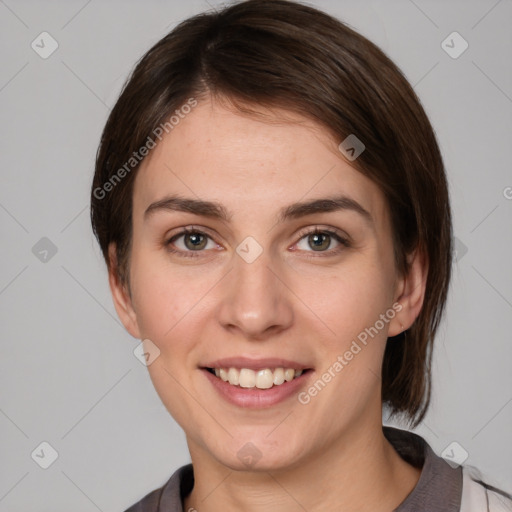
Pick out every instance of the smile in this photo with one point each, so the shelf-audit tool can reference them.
(262, 379)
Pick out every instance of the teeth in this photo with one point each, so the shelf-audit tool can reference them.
(261, 379)
(278, 376)
(289, 374)
(234, 376)
(247, 378)
(264, 379)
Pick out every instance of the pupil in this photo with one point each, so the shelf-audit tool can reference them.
(195, 241)
(321, 238)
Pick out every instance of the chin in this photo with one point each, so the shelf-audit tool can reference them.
(256, 456)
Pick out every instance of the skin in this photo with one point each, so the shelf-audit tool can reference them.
(330, 454)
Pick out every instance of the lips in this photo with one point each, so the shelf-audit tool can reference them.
(255, 382)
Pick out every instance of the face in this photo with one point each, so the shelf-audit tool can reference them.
(286, 265)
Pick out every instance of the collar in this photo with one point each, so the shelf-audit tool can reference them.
(439, 487)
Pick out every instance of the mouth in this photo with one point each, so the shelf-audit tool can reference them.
(256, 383)
(261, 379)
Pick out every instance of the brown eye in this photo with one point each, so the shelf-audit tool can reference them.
(322, 241)
(190, 241)
(195, 241)
(319, 241)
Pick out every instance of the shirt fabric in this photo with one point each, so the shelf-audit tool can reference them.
(440, 488)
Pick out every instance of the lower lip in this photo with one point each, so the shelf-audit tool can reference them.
(253, 397)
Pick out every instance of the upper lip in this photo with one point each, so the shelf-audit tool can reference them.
(255, 364)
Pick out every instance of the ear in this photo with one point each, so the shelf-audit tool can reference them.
(121, 295)
(410, 293)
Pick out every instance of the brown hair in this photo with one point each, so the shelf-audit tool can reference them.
(289, 55)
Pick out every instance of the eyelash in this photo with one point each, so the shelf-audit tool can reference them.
(343, 241)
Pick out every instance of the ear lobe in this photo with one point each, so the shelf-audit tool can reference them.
(120, 295)
(410, 292)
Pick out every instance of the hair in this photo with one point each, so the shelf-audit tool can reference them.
(279, 53)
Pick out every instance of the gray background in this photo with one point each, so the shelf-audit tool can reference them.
(68, 373)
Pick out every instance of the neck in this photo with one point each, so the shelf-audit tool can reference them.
(361, 472)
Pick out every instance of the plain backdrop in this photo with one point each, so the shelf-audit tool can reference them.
(68, 373)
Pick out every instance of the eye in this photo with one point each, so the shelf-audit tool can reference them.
(189, 241)
(321, 240)
(192, 240)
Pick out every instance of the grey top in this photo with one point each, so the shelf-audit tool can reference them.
(439, 487)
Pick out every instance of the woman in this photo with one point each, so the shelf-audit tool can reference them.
(272, 206)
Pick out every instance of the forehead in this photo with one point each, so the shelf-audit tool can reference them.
(242, 160)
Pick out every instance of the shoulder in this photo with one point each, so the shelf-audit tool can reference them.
(150, 502)
(169, 497)
(479, 496)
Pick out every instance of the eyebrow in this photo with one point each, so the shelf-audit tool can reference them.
(215, 210)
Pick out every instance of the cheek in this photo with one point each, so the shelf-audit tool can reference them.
(347, 301)
(170, 307)
(163, 297)
(350, 304)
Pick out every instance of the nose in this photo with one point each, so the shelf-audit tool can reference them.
(255, 299)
